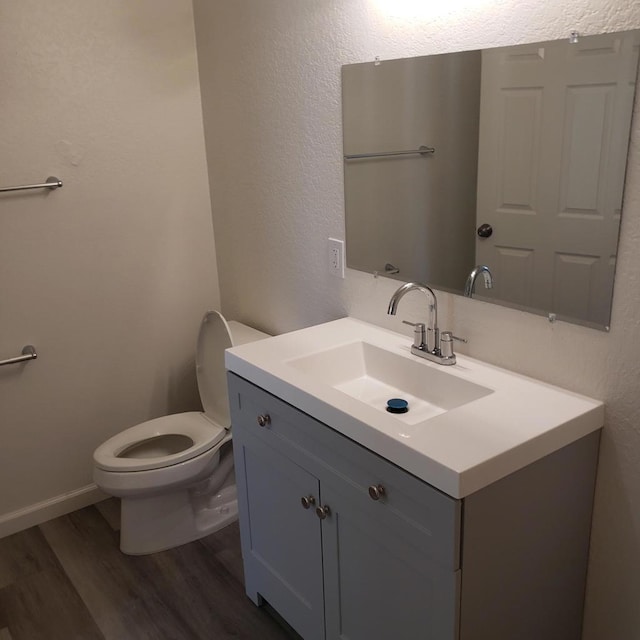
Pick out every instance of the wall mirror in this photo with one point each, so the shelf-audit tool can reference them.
(513, 158)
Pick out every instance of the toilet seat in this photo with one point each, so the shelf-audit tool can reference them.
(193, 432)
(201, 430)
(174, 475)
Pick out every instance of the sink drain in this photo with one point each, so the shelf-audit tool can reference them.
(397, 405)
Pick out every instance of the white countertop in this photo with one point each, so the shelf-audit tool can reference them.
(459, 451)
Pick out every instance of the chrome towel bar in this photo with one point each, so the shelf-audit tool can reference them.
(422, 150)
(51, 183)
(28, 353)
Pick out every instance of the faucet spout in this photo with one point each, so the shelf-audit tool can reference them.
(433, 333)
(435, 349)
(406, 288)
(471, 280)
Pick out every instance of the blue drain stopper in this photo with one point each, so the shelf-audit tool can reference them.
(397, 405)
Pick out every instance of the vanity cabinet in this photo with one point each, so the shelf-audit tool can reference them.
(345, 545)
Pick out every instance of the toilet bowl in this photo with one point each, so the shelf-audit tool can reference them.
(174, 474)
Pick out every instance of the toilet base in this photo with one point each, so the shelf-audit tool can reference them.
(160, 522)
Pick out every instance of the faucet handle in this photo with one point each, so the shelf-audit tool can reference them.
(419, 333)
(446, 343)
(448, 336)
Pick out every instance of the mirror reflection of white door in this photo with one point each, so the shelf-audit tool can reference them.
(551, 125)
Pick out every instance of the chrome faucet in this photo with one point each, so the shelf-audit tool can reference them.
(427, 343)
(471, 280)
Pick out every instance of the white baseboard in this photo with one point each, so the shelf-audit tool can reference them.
(46, 510)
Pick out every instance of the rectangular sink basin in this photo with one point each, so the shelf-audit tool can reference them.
(374, 375)
(468, 425)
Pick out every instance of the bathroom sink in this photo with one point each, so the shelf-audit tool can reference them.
(468, 424)
(374, 375)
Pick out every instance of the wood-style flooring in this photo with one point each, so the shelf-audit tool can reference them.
(67, 580)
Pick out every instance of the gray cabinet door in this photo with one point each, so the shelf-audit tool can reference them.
(281, 540)
(377, 587)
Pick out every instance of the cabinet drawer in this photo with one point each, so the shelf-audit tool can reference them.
(411, 510)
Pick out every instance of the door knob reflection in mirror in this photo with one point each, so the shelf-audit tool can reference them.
(485, 230)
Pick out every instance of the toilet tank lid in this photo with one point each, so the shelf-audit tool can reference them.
(216, 335)
(242, 333)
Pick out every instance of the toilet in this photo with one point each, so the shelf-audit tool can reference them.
(174, 474)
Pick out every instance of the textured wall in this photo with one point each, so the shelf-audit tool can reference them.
(270, 75)
(109, 275)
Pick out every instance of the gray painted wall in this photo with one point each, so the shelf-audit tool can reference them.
(109, 276)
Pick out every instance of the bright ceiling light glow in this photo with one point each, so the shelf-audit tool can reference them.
(424, 8)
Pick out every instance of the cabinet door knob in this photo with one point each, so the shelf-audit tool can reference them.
(323, 512)
(264, 419)
(307, 501)
(376, 491)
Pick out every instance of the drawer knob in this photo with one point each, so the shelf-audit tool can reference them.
(376, 491)
(323, 512)
(307, 501)
(264, 419)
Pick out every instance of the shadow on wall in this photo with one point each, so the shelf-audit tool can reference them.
(177, 388)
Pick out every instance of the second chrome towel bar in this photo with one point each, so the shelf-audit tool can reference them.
(28, 353)
(51, 183)
(422, 150)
